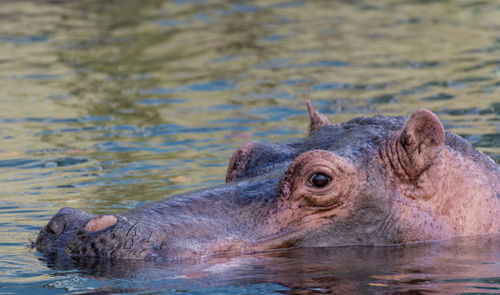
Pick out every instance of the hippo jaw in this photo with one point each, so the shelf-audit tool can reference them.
(369, 181)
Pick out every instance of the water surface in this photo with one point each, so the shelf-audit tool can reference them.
(107, 105)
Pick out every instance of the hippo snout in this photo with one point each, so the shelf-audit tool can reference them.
(64, 223)
(78, 234)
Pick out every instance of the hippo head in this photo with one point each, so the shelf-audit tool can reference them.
(369, 181)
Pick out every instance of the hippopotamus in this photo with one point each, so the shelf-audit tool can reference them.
(370, 181)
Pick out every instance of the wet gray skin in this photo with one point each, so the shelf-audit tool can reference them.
(250, 213)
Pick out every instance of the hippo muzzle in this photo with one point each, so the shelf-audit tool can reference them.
(229, 218)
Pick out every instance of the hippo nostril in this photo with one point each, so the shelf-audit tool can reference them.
(100, 223)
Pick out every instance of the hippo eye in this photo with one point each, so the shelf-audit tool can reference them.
(320, 180)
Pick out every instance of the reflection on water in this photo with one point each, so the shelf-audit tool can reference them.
(107, 105)
(450, 267)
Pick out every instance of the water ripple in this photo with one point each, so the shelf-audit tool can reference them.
(33, 164)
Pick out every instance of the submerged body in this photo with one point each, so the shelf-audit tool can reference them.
(369, 181)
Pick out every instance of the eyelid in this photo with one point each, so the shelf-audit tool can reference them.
(319, 169)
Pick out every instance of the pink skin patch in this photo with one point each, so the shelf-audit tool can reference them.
(100, 223)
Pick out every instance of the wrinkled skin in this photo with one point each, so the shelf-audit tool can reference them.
(369, 181)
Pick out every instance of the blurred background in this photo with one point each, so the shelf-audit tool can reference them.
(105, 105)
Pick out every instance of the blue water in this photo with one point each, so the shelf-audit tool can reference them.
(105, 106)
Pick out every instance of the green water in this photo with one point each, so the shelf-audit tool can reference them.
(105, 105)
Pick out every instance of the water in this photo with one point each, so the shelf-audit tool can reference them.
(107, 105)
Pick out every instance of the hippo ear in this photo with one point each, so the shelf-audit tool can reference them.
(421, 140)
(317, 119)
